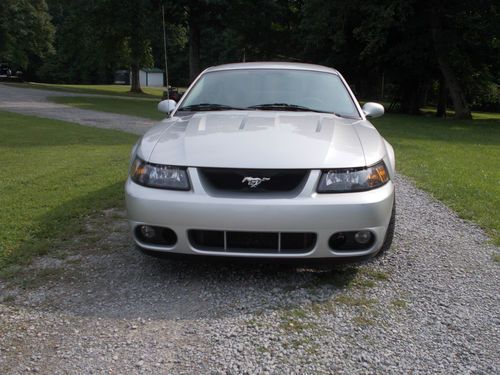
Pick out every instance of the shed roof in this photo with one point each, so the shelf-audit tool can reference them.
(152, 70)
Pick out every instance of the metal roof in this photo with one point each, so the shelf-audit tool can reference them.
(152, 70)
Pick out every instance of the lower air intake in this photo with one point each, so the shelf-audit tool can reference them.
(252, 242)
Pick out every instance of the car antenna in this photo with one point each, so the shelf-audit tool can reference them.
(165, 47)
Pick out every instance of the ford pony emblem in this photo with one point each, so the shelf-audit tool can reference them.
(254, 181)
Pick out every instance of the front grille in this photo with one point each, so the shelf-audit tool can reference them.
(247, 180)
(252, 242)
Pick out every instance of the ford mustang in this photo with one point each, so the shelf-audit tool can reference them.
(264, 160)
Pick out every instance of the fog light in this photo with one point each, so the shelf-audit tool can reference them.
(363, 237)
(147, 231)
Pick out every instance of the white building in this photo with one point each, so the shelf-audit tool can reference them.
(151, 77)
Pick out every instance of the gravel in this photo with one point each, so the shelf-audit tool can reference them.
(35, 102)
(96, 305)
(430, 305)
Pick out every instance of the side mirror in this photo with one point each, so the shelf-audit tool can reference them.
(373, 109)
(166, 106)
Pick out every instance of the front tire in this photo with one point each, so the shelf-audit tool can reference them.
(389, 234)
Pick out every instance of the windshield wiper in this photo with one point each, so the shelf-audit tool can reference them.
(294, 107)
(284, 107)
(207, 107)
(267, 106)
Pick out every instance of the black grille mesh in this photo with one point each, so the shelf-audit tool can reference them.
(252, 242)
(240, 180)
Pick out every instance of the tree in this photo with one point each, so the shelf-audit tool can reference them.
(26, 33)
(414, 51)
(130, 21)
(195, 16)
(465, 37)
(270, 33)
(444, 45)
(412, 43)
(83, 52)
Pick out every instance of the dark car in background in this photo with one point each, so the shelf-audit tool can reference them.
(5, 70)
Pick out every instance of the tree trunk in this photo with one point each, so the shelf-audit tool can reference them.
(460, 105)
(194, 48)
(441, 104)
(135, 83)
(411, 97)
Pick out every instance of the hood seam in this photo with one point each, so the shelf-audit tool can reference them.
(360, 142)
(160, 136)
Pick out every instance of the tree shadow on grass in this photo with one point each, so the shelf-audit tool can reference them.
(61, 224)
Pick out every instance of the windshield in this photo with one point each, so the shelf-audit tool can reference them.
(271, 89)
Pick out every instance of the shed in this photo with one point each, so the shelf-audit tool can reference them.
(151, 77)
(122, 77)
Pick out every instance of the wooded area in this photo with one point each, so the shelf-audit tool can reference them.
(409, 53)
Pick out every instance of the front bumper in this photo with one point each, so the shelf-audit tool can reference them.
(323, 214)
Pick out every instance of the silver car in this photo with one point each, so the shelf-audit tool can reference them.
(265, 160)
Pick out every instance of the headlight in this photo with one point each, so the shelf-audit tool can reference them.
(159, 176)
(353, 179)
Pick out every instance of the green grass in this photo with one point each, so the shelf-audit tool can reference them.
(475, 115)
(53, 174)
(363, 321)
(377, 275)
(399, 303)
(132, 107)
(354, 301)
(115, 90)
(455, 160)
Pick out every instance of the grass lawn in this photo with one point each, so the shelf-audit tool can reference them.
(456, 161)
(475, 115)
(118, 90)
(53, 173)
(133, 107)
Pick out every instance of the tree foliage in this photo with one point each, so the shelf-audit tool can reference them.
(26, 33)
(407, 52)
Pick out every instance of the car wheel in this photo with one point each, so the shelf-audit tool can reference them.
(389, 235)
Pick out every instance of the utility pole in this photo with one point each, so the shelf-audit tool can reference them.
(165, 47)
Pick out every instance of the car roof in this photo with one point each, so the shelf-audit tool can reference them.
(273, 65)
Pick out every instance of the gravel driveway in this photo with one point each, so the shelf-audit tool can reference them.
(35, 102)
(430, 305)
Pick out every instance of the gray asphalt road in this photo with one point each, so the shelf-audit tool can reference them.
(34, 102)
(430, 305)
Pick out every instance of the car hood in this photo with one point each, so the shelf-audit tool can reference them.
(262, 139)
